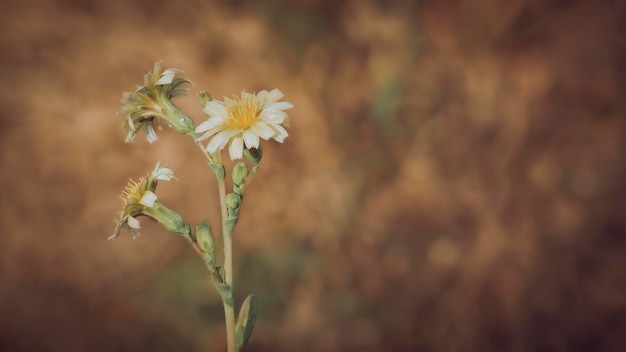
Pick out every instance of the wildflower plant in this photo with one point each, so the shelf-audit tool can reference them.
(239, 123)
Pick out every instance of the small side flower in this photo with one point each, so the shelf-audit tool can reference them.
(140, 199)
(243, 120)
(150, 103)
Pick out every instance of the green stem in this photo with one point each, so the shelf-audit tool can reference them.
(227, 236)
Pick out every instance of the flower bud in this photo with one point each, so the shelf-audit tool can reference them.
(203, 98)
(240, 173)
(206, 241)
(233, 201)
(254, 155)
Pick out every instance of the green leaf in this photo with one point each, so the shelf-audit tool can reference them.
(245, 321)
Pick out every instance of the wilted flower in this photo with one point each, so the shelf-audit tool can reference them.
(144, 107)
(139, 199)
(243, 120)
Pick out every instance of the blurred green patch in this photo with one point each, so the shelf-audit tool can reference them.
(385, 108)
(185, 297)
(299, 24)
(271, 276)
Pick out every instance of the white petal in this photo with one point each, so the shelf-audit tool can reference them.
(148, 199)
(125, 97)
(245, 96)
(236, 148)
(150, 134)
(133, 223)
(215, 108)
(251, 139)
(273, 116)
(130, 136)
(204, 136)
(167, 76)
(286, 121)
(261, 97)
(211, 132)
(262, 129)
(163, 173)
(131, 124)
(209, 124)
(281, 105)
(215, 142)
(228, 101)
(131, 130)
(280, 134)
(274, 96)
(219, 141)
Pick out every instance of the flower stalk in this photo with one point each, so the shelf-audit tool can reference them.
(227, 235)
(239, 123)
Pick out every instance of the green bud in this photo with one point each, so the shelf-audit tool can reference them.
(245, 321)
(203, 98)
(240, 173)
(254, 155)
(233, 201)
(206, 241)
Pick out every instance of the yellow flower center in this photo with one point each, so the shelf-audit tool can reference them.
(243, 112)
(132, 191)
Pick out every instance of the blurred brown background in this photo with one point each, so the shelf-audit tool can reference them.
(453, 179)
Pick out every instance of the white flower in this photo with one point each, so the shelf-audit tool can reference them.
(139, 199)
(151, 103)
(243, 120)
(162, 173)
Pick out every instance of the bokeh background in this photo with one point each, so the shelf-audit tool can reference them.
(453, 179)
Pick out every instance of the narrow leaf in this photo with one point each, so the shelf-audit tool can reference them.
(245, 321)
